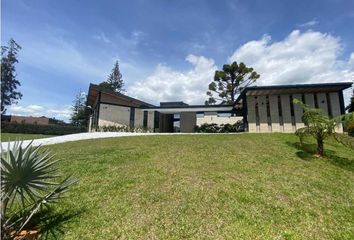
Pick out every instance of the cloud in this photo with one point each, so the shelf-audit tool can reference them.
(299, 58)
(309, 23)
(302, 57)
(166, 84)
(56, 111)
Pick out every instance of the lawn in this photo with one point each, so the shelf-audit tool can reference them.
(5, 137)
(249, 186)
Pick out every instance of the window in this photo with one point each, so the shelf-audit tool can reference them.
(156, 119)
(145, 119)
(280, 110)
(132, 116)
(316, 100)
(200, 114)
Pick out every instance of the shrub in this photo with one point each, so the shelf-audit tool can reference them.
(123, 128)
(50, 129)
(28, 184)
(223, 128)
(350, 128)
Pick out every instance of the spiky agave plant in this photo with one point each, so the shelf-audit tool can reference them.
(28, 183)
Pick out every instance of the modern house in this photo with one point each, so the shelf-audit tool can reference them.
(261, 108)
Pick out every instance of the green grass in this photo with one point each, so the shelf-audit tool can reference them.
(250, 186)
(5, 137)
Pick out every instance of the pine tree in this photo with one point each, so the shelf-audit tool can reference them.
(80, 114)
(9, 83)
(114, 81)
(229, 82)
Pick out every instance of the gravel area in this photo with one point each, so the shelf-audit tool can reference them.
(85, 136)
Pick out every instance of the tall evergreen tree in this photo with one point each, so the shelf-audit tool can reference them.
(350, 107)
(9, 82)
(80, 114)
(229, 82)
(115, 80)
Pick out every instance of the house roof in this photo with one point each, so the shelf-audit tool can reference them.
(293, 88)
(95, 89)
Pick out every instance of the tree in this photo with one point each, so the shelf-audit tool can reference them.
(80, 114)
(114, 81)
(9, 83)
(229, 82)
(320, 126)
(350, 107)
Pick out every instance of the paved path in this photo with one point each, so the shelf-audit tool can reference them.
(92, 135)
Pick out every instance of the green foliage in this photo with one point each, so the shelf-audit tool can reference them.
(81, 113)
(229, 82)
(350, 107)
(9, 82)
(50, 129)
(123, 128)
(350, 128)
(114, 81)
(29, 182)
(318, 125)
(223, 128)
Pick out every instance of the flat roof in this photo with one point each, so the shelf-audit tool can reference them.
(191, 108)
(294, 88)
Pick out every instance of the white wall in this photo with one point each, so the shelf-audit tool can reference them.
(112, 115)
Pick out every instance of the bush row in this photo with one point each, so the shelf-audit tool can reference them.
(123, 128)
(50, 129)
(223, 128)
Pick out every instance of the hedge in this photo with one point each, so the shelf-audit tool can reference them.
(50, 129)
(223, 128)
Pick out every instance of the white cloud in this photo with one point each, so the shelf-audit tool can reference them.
(309, 23)
(166, 84)
(308, 57)
(59, 112)
(299, 58)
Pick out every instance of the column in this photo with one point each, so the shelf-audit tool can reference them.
(310, 99)
(274, 113)
(298, 112)
(188, 121)
(285, 108)
(251, 114)
(263, 118)
(151, 120)
(335, 107)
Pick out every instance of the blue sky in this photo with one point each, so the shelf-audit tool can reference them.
(168, 50)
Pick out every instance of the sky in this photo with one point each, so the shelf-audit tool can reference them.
(169, 50)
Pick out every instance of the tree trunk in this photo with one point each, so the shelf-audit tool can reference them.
(320, 149)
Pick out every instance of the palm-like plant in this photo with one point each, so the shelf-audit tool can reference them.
(28, 183)
(317, 124)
